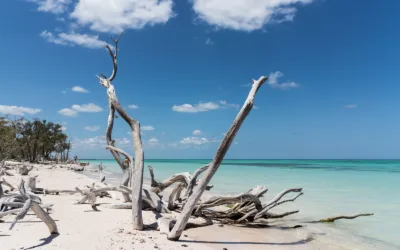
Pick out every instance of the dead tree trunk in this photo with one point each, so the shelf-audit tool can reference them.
(124, 167)
(212, 169)
(137, 169)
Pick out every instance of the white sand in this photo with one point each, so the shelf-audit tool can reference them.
(82, 228)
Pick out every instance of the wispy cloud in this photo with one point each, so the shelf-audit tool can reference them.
(194, 140)
(95, 141)
(123, 141)
(153, 141)
(245, 15)
(133, 106)
(86, 108)
(98, 142)
(273, 81)
(73, 39)
(92, 128)
(209, 41)
(53, 6)
(350, 106)
(68, 112)
(203, 107)
(79, 89)
(196, 132)
(116, 16)
(18, 110)
(147, 128)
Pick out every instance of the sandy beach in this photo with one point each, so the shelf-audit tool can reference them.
(82, 228)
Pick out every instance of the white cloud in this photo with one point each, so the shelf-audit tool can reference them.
(350, 106)
(274, 83)
(202, 107)
(92, 141)
(73, 111)
(15, 110)
(209, 41)
(92, 128)
(118, 15)
(133, 106)
(147, 128)
(153, 141)
(63, 128)
(72, 39)
(98, 142)
(68, 112)
(53, 6)
(195, 140)
(79, 89)
(91, 108)
(246, 15)
(123, 141)
(225, 104)
(196, 132)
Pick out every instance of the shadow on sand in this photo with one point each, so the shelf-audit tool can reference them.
(46, 241)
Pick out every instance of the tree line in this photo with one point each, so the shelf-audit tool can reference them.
(32, 140)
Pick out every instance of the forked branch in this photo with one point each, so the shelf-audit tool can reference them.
(219, 156)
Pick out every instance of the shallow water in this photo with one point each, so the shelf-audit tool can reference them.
(331, 187)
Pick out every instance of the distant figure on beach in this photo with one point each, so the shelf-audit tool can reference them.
(101, 167)
(75, 159)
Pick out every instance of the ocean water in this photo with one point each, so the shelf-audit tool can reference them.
(331, 187)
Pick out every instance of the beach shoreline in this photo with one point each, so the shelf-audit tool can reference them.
(81, 228)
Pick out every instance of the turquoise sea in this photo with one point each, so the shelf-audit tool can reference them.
(331, 187)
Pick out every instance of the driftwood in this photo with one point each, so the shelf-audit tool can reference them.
(166, 223)
(333, 219)
(24, 170)
(29, 202)
(5, 183)
(158, 187)
(137, 168)
(214, 165)
(193, 181)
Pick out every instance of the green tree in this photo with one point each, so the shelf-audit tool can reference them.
(32, 140)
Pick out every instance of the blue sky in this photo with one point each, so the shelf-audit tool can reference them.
(333, 64)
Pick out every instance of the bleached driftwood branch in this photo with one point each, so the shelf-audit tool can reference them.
(222, 149)
(124, 167)
(348, 217)
(158, 187)
(193, 181)
(24, 170)
(30, 202)
(137, 169)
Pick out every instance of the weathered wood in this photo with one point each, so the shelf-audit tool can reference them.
(137, 170)
(5, 183)
(222, 200)
(275, 200)
(222, 149)
(258, 214)
(13, 211)
(173, 195)
(279, 216)
(45, 217)
(110, 142)
(24, 170)
(164, 225)
(183, 178)
(193, 181)
(348, 217)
